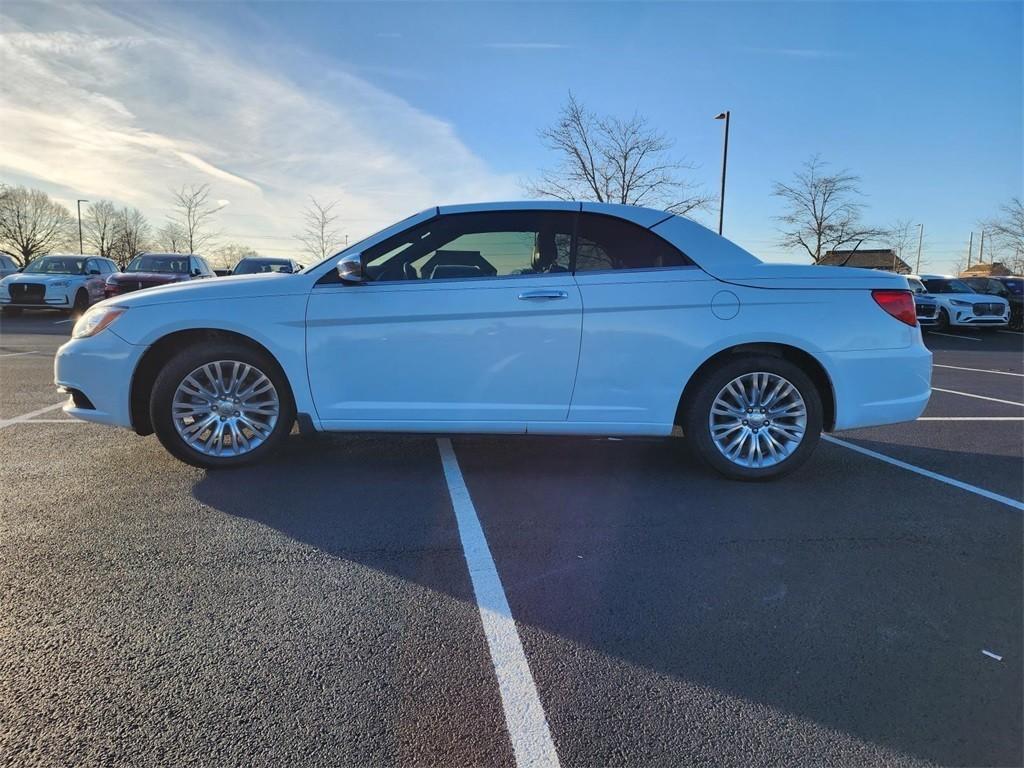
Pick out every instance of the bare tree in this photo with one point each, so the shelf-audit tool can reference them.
(131, 235)
(31, 224)
(193, 211)
(99, 227)
(1007, 232)
(319, 237)
(900, 237)
(227, 256)
(611, 160)
(171, 237)
(823, 212)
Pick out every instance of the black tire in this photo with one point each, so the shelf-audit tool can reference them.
(942, 324)
(184, 363)
(697, 412)
(11, 311)
(81, 303)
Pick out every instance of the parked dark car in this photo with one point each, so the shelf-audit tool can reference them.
(925, 306)
(252, 265)
(1010, 288)
(151, 269)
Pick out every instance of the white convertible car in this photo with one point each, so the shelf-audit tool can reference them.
(513, 318)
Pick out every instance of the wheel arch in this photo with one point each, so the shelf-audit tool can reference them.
(807, 362)
(167, 346)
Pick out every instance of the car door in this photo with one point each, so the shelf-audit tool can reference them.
(646, 322)
(94, 282)
(467, 320)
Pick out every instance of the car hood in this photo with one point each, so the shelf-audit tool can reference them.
(166, 277)
(241, 287)
(22, 277)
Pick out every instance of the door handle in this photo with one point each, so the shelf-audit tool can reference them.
(542, 295)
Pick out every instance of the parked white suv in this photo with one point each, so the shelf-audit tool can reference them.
(961, 306)
(69, 282)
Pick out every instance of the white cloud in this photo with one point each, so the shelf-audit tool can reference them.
(134, 107)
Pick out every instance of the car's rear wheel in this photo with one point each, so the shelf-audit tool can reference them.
(221, 405)
(754, 418)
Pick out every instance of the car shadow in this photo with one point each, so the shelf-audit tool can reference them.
(832, 595)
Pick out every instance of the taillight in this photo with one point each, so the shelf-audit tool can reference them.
(899, 304)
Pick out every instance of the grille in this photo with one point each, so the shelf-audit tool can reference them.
(27, 292)
(926, 310)
(988, 309)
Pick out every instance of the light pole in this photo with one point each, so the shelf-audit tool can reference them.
(725, 159)
(80, 248)
(920, 239)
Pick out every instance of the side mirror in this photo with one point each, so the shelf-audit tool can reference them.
(196, 273)
(20, 269)
(94, 271)
(350, 268)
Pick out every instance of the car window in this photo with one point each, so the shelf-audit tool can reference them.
(605, 242)
(6, 263)
(942, 285)
(916, 286)
(467, 245)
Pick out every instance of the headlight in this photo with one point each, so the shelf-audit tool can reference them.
(95, 320)
(958, 303)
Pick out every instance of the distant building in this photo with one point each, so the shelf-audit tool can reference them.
(879, 258)
(991, 269)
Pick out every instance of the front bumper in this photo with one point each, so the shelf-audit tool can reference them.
(49, 302)
(875, 387)
(100, 368)
(966, 317)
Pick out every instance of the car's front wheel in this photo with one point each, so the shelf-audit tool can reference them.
(942, 324)
(221, 405)
(754, 418)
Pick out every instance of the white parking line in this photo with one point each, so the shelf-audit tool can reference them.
(30, 415)
(1015, 333)
(928, 473)
(977, 370)
(953, 336)
(16, 354)
(53, 421)
(970, 418)
(978, 397)
(524, 714)
(59, 322)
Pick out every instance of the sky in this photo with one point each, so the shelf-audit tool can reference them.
(390, 108)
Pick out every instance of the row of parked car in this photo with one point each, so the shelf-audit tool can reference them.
(944, 301)
(73, 282)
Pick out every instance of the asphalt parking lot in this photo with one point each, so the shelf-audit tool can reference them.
(342, 606)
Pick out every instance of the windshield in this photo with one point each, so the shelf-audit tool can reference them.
(253, 266)
(57, 265)
(916, 285)
(170, 264)
(943, 285)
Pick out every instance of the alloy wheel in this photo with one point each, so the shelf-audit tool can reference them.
(758, 420)
(225, 408)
